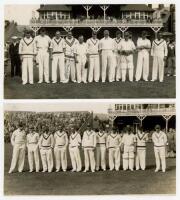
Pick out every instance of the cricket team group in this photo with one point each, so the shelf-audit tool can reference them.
(97, 144)
(107, 59)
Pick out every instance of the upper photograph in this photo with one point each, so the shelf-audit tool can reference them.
(55, 51)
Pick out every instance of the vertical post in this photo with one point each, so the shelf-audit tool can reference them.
(166, 125)
(104, 8)
(87, 8)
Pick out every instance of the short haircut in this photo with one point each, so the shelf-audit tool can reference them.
(118, 32)
(42, 30)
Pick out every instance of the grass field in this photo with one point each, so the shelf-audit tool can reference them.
(98, 183)
(13, 89)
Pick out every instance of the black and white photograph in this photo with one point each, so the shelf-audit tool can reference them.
(89, 51)
(89, 148)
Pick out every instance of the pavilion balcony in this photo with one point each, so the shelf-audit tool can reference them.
(95, 22)
(145, 112)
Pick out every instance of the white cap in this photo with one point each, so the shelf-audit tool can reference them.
(14, 37)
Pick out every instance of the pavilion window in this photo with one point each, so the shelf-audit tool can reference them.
(49, 15)
(45, 15)
(137, 15)
(132, 15)
(53, 15)
(146, 15)
(142, 15)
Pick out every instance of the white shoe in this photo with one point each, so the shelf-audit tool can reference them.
(137, 169)
(20, 171)
(44, 171)
(54, 82)
(30, 171)
(132, 170)
(163, 171)
(57, 170)
(156, 170)
(64, 170)
(152, 80)
(10, 171)
(104, 170)
(39, 81)
(74, 81)
(93, 171)
(31, 83)
(24, 83)
(146, 80)
(85, 171)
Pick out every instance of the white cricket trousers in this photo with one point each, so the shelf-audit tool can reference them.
(107, 58)
(75, 158)
(158, 68)
(33, 157)
(89, 158)
(70, 69)
(27, 70)
(127, 65)
(60, 158)
(43, 60)
(142, 65)
(80, 69)
(101, 156)
(58, 62)
(118, 66)
(18, 157)
(47, 159)
(141, 158)
(94, 68)
(160, 156)
(128, 157)
(114, 158)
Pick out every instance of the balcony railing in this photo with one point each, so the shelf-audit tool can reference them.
(94, 22)
(149, 111)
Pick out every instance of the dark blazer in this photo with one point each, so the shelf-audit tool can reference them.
(14, 50)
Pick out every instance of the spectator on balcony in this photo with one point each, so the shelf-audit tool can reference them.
(14, 57)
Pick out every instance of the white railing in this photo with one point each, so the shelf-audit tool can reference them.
(160, 111)
(93, 22)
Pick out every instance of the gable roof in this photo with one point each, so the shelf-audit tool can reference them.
(136, 7)
(54, 7)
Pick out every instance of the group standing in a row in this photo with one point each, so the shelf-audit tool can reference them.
(95, 144)
(93, 60)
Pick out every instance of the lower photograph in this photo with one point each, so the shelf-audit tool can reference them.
(97, 148)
